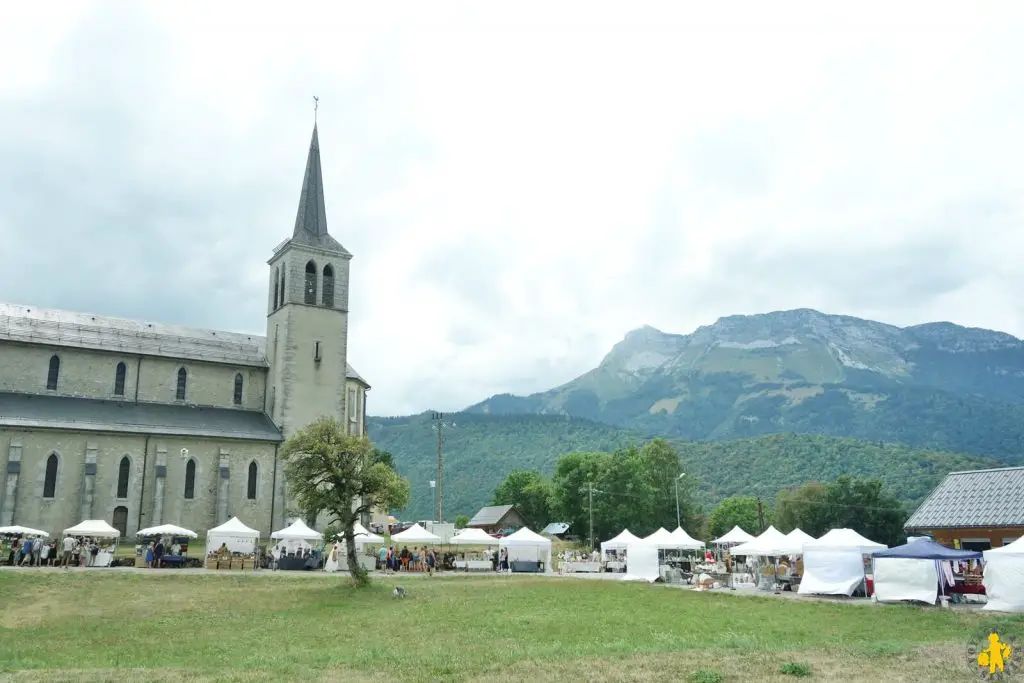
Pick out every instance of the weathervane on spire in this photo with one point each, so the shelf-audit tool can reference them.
(316, 105)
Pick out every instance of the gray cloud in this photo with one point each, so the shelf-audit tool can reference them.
(513, 214)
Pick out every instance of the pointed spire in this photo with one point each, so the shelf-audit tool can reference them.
(311, 220)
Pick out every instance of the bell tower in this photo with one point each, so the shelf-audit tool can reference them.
(307, 314)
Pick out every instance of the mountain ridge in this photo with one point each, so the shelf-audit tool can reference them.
(801, 371)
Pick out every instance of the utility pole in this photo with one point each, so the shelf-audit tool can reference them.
(440, 425)
(760, 514)
(590, 493)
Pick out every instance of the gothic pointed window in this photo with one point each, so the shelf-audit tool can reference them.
(284, 291)
(190, 479)
(50, 480)
(250, 489)
(182, 384)
(124, 471)
(310, 297)
(54, 374)
(277, 286)
(119, 376)
(328, 286)
(238, 389)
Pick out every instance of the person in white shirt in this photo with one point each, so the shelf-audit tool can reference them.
(69, 547)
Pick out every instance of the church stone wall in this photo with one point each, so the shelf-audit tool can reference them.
(70, 503)
(91, 374)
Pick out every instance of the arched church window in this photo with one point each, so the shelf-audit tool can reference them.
(50, 481)
(182, 384)
(328, 298)
(250, 489)
(54, 374)
(190, 479)
(120, 521)
(124, 471)
(310, 297)
(277, 285)
(284, 292)
(238, 389)
(119, 376)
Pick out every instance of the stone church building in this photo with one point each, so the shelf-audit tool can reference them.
(142, 423)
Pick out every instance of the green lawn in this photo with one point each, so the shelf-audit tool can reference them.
(171, 625)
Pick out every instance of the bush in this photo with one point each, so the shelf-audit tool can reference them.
(706, 676)
(798, 669)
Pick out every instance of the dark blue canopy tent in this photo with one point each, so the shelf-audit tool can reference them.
(927, 549)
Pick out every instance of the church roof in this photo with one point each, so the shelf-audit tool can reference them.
(311, 219)
(94, 415)
(54, 327)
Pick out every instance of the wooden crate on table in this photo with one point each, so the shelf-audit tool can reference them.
(248, 563)
(211, 562)
(236, 563)
(223, 564)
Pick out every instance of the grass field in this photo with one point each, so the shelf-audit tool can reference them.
(176, 626)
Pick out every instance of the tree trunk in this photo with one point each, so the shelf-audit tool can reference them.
(355, 570)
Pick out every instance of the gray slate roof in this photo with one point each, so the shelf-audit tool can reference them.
(555, 529)
(489, 515)
(86, 414)
(54, 327)
(311, 219)
(976, 498)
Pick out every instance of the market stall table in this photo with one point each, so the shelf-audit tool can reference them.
(583, 567)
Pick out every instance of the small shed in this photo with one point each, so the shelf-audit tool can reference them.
(974, 509)
(496, 518)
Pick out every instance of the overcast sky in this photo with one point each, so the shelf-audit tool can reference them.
(521, 187)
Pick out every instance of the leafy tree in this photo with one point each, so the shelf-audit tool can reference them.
(864, 505)
(529, 492)
(737, 511)
(859, 504)
(332, 472)
(461, 522)
(574, 474)
(384, 457)
(804, 508)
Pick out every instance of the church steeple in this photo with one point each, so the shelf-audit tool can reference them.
(311, 218)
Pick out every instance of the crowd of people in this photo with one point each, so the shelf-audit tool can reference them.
(34, 551)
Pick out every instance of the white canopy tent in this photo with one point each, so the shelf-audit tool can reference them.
(166, 530)
(235, 535)
(735, 535)
(642, 562)
(834, 564)
(297, 531)
(22, 531)
(771, 543)
(683, 541)
(474, 537)
(1004, 577)
(796, 539)
(527, 546)
(415, 534)
(620, 542)
(658, 537)
(95, 528)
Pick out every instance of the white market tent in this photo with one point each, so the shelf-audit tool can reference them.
(683, 541)
(527, 546)
(237, 536)
(796, 539)
(474, 537)
(771, 543)
(166, 530)
(22, 531)
(1004, 577)
(642, 562)
(297, 531)
(734, 535)
(93, 527)
(415, 534)
(620, 542)
(659, 536)
(834, 564)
